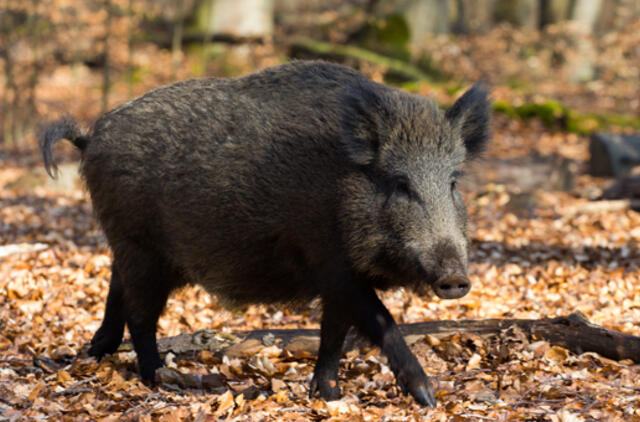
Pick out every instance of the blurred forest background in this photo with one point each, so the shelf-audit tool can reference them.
(85, 57)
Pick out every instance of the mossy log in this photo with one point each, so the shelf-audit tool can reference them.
(306, 48)
(552, 113)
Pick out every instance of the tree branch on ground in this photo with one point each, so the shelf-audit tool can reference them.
(573, 332)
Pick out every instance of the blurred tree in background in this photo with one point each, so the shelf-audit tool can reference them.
(84, 57)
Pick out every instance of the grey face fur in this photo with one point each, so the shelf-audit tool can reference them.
(302, 180)
(410, 224)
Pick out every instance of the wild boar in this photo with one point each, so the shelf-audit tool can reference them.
(298, 181)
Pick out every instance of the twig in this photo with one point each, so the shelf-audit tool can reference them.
(16, 360)
(473, 415)
(69, 392)
(144, 403)
(73, 388)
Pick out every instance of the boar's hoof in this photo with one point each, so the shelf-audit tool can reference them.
(148, 369)
(424, 396)
(452, 287)
(327, 387)
(103, 344)
(417, 384)
(420, 390)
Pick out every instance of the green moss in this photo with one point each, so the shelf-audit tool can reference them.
(583, 124)
(552, 113)
(425, 63)
(622, 121)
(587, 123)
(452, 88)
(504, 108)
(389, 36)
(137, 74)
(412, 86)
(393, 30)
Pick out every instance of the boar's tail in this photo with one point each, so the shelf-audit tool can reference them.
(66, 128)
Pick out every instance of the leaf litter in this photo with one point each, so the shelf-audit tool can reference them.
(534, 254)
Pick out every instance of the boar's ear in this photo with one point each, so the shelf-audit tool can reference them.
(363, 119)
(471, 115)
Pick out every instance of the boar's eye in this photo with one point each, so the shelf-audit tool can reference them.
(454, 180)
(401, 186)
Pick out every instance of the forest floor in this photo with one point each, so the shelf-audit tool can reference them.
(532, 258)
(536, 251)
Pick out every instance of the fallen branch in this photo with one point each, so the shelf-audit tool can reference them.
(614, 205)
(573, 332)
(305, 47)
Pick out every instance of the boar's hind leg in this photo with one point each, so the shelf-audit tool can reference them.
(375, 322)
(147, 282)
(332, 333)
(109, 336)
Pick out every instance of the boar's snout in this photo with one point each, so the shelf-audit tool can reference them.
(451, 274)
(452, 286)
(448, 279)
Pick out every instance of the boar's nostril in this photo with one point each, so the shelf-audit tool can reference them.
(452, 287)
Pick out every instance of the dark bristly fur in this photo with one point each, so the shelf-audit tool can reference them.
(301, 180)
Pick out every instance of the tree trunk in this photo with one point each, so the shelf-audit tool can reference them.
(423, 17)
(176, 40)
(524, 13)
(29, 118)
(473, 16)
(130, 32)
(554, 11)
(106, 77)
(239, 18)
(585, 13)
(10, 99)
(6, 108)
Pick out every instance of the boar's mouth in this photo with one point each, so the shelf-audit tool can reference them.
(392, 271)
(447, 279)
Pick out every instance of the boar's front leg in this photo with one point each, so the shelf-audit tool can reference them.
(375, 322)
(354, 302)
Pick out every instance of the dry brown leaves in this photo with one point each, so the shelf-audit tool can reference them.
(551, 260)
(54, 271)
